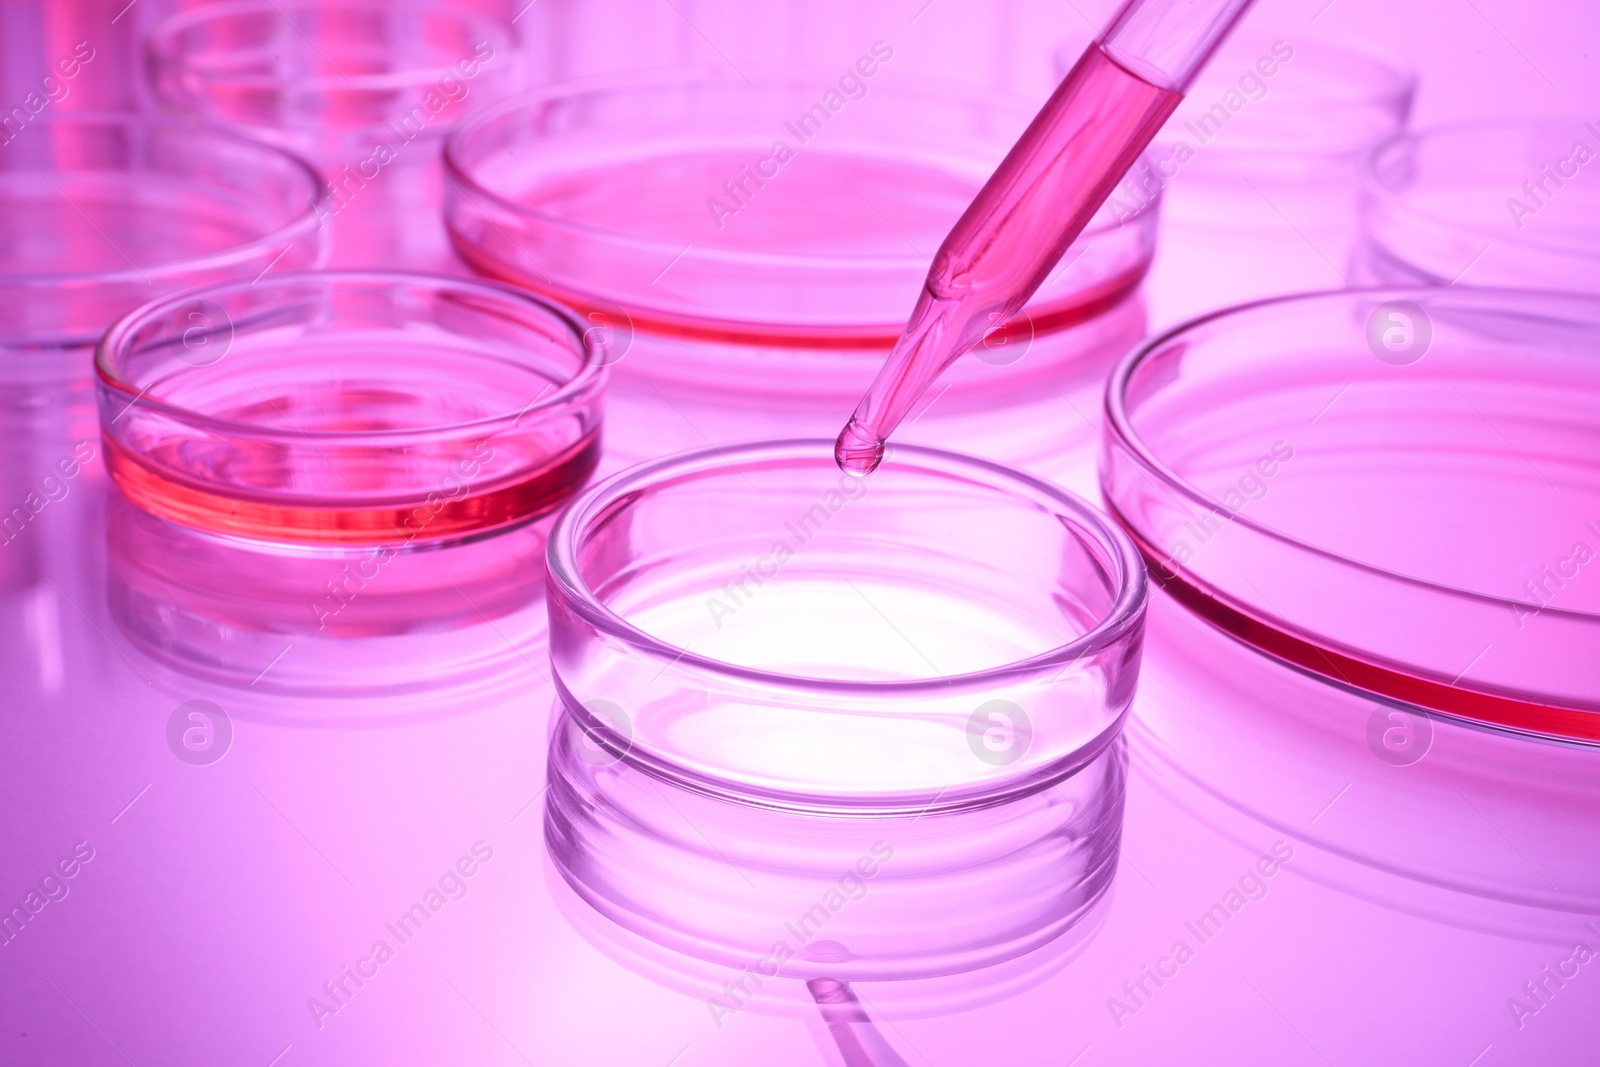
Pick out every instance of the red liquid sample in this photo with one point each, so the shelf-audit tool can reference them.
(355, 440)
(434, 516)
(1003, 248)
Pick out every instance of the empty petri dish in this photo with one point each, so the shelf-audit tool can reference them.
(100, 213)
(919, 678)
(1486, 203)
(757, 250)
(364, 88)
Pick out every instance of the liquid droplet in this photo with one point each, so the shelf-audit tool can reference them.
(858, 451)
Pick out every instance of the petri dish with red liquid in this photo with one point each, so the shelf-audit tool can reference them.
(350, 408)
(1373, 520)
(757, 248)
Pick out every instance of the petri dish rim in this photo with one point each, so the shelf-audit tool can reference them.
(1120, 425)
(1122, 619)
(1516, 708)
(305, 223)
(1374, 186)
(592, 370)
(161, 47)
(460, 173)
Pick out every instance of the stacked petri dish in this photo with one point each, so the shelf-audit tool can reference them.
(365, 89)
(756, 250)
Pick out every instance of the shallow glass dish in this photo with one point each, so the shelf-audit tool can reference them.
(1394, 490)
(101, 213)
(366, 89)
(756, 250)
(926, 672)
(350, 408)
(1487, 203)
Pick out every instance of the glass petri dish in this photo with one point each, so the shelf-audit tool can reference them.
(101, 213)
(364, 88)
(1259, 170)
(935, 661)
(1391, 490)
(1488, 203)
(350, 408)
(758, 253)
(304, 72)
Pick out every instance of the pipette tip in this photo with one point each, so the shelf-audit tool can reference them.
(857, 451)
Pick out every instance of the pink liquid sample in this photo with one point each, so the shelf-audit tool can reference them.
(1003, 248)
(341, 441)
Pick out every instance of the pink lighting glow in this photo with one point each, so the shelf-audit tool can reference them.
(435, 629)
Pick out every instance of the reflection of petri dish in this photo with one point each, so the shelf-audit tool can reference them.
(705, 208)
(350, 408)
(1393, 490)
(1489, 203)
(916, 681)
(100, 213)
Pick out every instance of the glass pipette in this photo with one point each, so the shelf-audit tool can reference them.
(1103, 114)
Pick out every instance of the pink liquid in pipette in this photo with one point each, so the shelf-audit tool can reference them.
(1003, 248)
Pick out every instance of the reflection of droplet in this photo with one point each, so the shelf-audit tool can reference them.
(852, 1029)
(828, 952)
